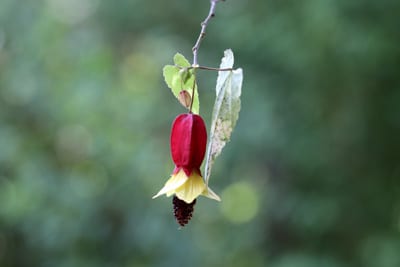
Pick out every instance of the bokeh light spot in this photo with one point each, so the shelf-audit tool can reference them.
(240, 202)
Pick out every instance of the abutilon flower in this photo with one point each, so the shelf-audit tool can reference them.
(188, 147)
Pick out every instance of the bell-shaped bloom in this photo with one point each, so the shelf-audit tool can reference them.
(188, 147)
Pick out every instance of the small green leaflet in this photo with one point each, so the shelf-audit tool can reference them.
(179, 78)
(226, 110)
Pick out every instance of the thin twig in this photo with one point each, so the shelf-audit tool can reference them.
(203, 68)
(192, 100)
(211, 68)
(211, 13)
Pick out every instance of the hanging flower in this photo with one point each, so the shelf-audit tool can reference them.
(188, 146)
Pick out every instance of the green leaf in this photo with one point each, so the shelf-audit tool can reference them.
(181, 61)
(226, 110)
(179, 77)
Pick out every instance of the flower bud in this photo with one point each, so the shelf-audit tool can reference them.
(184, 98)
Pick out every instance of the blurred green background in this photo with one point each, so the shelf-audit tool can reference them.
(310, 178)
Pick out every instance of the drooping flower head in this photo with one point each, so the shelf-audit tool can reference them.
(188, 146)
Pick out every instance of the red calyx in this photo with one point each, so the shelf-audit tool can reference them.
(188, 142)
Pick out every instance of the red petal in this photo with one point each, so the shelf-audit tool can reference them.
(188, 141)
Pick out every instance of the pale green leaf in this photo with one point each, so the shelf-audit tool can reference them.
(226, 110)
(181, 61)
(179, 78)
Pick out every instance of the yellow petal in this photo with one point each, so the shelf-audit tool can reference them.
(176, 181)
(190, 190)
(210, 194)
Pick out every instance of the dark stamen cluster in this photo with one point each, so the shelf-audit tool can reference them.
(182, 210)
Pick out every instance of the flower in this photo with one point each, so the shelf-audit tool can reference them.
(188, 146)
